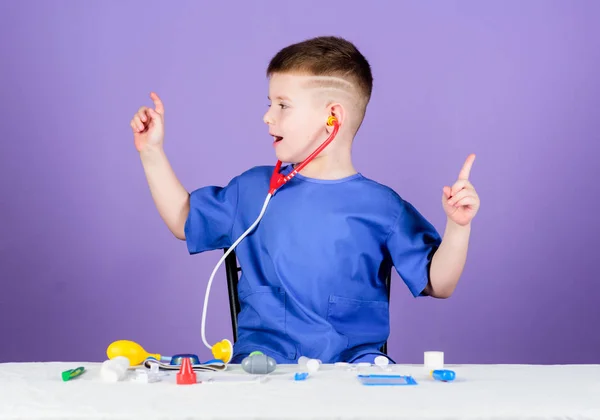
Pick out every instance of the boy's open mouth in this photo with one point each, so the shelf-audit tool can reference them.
(277, 138)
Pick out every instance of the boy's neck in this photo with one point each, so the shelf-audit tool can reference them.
(330, 167)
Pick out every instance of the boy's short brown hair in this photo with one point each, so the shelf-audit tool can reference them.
(326, 56)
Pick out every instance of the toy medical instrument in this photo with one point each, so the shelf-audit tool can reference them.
(186, 375)
(115, 369)
(177, 359)
(131, 350)
(145, 376)
(223, 350)
(433, 360)
(443, 375)
(300, 376)
(381, 361)
(72, 373)
(209, 366)
(277, 179)
(312, 365)
(258, 363)
(303, 360)
(232, 379)
(136, 355)
(377, 380)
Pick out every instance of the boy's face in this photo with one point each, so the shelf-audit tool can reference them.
(296, 117)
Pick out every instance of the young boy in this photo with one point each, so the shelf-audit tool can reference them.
(313, 269)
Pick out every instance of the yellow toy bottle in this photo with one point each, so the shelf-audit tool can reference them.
(131, 350)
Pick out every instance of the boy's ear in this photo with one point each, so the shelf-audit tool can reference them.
(336, 110)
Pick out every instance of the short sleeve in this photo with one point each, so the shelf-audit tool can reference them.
(412, 243)
(211, 217)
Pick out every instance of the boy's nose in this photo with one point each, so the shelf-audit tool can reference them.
(267, 118)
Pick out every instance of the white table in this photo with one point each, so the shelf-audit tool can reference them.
(36, 391)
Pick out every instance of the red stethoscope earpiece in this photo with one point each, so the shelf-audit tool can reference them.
(277, 179)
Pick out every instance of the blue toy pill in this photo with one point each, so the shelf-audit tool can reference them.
(443, 375)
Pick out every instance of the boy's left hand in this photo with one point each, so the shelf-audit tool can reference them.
(461, 201)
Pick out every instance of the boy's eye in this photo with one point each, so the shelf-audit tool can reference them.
(282, 106)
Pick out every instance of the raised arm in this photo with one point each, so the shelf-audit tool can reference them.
(170, 197)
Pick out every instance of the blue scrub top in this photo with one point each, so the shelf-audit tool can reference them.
(313, 270)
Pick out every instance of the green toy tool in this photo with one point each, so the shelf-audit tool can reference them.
(72, 373)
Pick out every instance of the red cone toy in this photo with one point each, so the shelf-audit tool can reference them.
(186, 375)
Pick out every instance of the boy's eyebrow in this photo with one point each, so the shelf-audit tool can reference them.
(285, 98)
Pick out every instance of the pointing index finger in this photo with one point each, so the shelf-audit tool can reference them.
(158, 105)
(466, 169)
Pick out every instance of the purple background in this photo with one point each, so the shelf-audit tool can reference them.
(85, 258)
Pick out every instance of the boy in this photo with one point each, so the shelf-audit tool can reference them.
(313, 269)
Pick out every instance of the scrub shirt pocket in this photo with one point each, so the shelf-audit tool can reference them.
(263, 308)
(361, 321)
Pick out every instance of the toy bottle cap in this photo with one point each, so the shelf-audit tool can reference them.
(186, 375)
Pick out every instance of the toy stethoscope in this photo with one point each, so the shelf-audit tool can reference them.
(223, 350)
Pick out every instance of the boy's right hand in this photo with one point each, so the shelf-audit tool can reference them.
(148, 125)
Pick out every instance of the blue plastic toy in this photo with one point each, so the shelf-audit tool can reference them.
(443, 375)
(177, 359)
(378, 380)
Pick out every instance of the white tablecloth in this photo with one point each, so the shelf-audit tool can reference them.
(35, 390)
